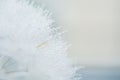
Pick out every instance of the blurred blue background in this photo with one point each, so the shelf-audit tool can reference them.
(100, 73)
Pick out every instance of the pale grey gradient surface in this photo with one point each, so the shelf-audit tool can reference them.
(93, 29)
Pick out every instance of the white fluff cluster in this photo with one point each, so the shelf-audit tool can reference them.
(30, 47)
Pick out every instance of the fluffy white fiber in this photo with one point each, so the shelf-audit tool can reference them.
(30, 47)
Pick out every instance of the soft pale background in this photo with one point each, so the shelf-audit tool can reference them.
(93, 29)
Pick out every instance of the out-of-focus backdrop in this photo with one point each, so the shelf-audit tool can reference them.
(94, 31)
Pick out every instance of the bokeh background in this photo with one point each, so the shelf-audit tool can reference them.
(94, 31)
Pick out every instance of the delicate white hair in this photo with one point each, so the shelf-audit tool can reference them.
(31, 48)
